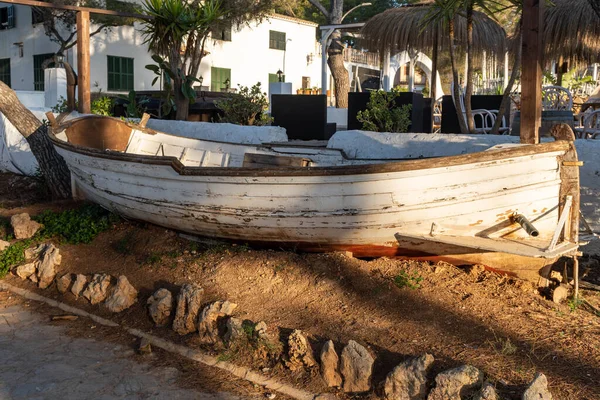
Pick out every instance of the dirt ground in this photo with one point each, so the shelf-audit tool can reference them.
(396, 308)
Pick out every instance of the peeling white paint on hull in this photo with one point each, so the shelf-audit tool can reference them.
(371, 210)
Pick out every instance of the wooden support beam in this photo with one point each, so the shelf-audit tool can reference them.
(33, 3)
(531, 71)
(83, 61)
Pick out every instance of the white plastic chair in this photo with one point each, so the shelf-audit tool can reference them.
(486, 118)
(556, 98)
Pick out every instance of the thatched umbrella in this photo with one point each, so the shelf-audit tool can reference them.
(398, 29)
(572, 31)
(403, 28)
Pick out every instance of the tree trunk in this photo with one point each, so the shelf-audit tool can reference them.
(338, 70)
(469, 77)
(181, 102)
(506, 95)
(52, 165)
(461, 118)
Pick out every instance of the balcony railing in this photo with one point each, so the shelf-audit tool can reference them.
(361, 57)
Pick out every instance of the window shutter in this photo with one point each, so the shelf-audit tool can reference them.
(10, 10)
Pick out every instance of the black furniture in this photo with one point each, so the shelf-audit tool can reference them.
(357, 101)
(304, 117)
(478, 102)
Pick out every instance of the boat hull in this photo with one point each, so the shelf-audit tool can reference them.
(361, 210)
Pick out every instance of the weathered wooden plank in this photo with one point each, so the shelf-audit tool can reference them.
(531, 71)
(498, 245)
(83, 61)
(33, 3)
(268, 160)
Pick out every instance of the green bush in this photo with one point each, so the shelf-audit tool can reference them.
(102, 106)
(80, 225)
(383, 115)
(247, 107)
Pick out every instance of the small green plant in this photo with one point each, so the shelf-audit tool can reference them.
(134, 108)
(404, 280)
(5, 229)
(61, 106)
(383, 114)
(13, 256)
(125, 244)
(80, 225)
(102, 106)
(247, 107)
(574, 303)
(153, 258)
(162, 69)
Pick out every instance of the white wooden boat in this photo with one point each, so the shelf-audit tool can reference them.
(459, 209)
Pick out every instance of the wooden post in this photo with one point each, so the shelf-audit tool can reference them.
(433, 80)
(83, 61)
(531, 71)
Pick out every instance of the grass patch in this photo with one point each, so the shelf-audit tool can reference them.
(80, 225)
(5, 229)
(574, 303)
(153, 258)
(404, 280)
(125, 244)
(13, 256)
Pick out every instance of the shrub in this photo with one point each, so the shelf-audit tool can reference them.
(247, 107)
(102, 106)
(80, 225)
(383, 115)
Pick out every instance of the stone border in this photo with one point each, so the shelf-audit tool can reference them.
(191, 354)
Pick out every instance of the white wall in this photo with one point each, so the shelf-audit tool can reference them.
(247, 55)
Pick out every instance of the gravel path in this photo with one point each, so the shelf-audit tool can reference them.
(39, 361)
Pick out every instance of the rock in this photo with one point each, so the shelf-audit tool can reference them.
(207, 323)
(356, 367)
(4, 245)
(160, 306)
(476, 270)
(33, 252)
(300, 353)
(145, 347)
(330, 365)
(488, 392)
(456, 383)
(97, 290)
(408, 381)
(560, 293)
(121, 296)
(538, 389)
(80, 281)
(63, 283)
(188, 305)
(33, 278)
(46, 270)
(260, 329)
(23, 226)
(25, 271)
(233, 330)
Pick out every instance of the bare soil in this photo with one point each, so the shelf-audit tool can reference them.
(501, 325)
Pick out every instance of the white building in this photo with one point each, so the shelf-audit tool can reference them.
(118, 58)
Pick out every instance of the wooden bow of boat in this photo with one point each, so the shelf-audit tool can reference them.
(459, 209)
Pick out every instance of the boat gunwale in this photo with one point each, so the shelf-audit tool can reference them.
(278, 171)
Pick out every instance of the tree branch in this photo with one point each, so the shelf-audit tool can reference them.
(320, 7)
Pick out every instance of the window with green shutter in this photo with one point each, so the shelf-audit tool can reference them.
(7, 17)
(5, 70)
(220, 79)
(120, 73)
(38, 70)
(277, 40)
